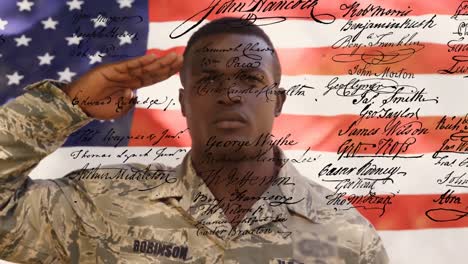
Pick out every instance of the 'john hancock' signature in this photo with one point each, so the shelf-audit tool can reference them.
(251, 11)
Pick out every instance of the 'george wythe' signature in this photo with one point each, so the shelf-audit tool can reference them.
(251, 13)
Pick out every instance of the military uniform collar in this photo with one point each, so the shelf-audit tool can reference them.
(292, 184)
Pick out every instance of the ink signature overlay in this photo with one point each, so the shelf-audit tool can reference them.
(462, 11)
(377, 57)
(251, 14)
(446, 215)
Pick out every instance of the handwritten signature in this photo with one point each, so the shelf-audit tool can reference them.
(369, 89)
(456, 67)
(250, 14)
(462, 10)
(377, 57)
(445, 215)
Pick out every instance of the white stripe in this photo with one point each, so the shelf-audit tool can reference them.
(448, 90)
(446, 245)
(421, 174)
(306, 33)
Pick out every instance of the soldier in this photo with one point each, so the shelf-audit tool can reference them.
(233, 199)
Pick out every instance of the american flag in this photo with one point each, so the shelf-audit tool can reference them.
(60, 40)
(43, 34)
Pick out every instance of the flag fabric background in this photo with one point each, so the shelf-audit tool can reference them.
(59, 36)
(312, 54)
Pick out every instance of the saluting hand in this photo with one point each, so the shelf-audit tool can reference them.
(98, 91)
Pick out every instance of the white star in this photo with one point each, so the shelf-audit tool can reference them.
(99, 21)
(125, 3)
(97, 57)
(74, 4)
(24, 5)
(45, 59)
(49, 23)
(23, 40)
(66, 75)
(74, 40)
(3, 23)
(126, 38)
(14, 78)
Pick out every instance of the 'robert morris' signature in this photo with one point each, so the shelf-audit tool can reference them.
(250, 13)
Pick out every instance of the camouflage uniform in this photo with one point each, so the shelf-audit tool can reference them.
(133, 213)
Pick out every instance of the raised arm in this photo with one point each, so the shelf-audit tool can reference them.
(34, 125)
(31, 126)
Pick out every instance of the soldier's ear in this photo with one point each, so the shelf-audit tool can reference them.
(280, 99)
(182, 101)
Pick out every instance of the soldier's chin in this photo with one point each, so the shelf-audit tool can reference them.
(230, 154)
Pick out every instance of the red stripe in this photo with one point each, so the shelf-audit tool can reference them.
(320, 133)
(409, 212)
(319, 61)
(170, 10)
(406, 212)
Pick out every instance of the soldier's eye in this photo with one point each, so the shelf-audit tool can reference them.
(253, 78)
(209, 79)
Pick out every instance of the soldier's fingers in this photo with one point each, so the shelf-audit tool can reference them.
(169, 71)
(163, 66)
(156, 72)
(118, 72)
(124, 66)
(143, 73)
(157, 65)
(138, 68)
(167, 59)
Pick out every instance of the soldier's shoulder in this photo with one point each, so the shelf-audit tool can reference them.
(325, 211)
(339, 227)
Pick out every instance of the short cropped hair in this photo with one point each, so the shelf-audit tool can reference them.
(230, 25)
